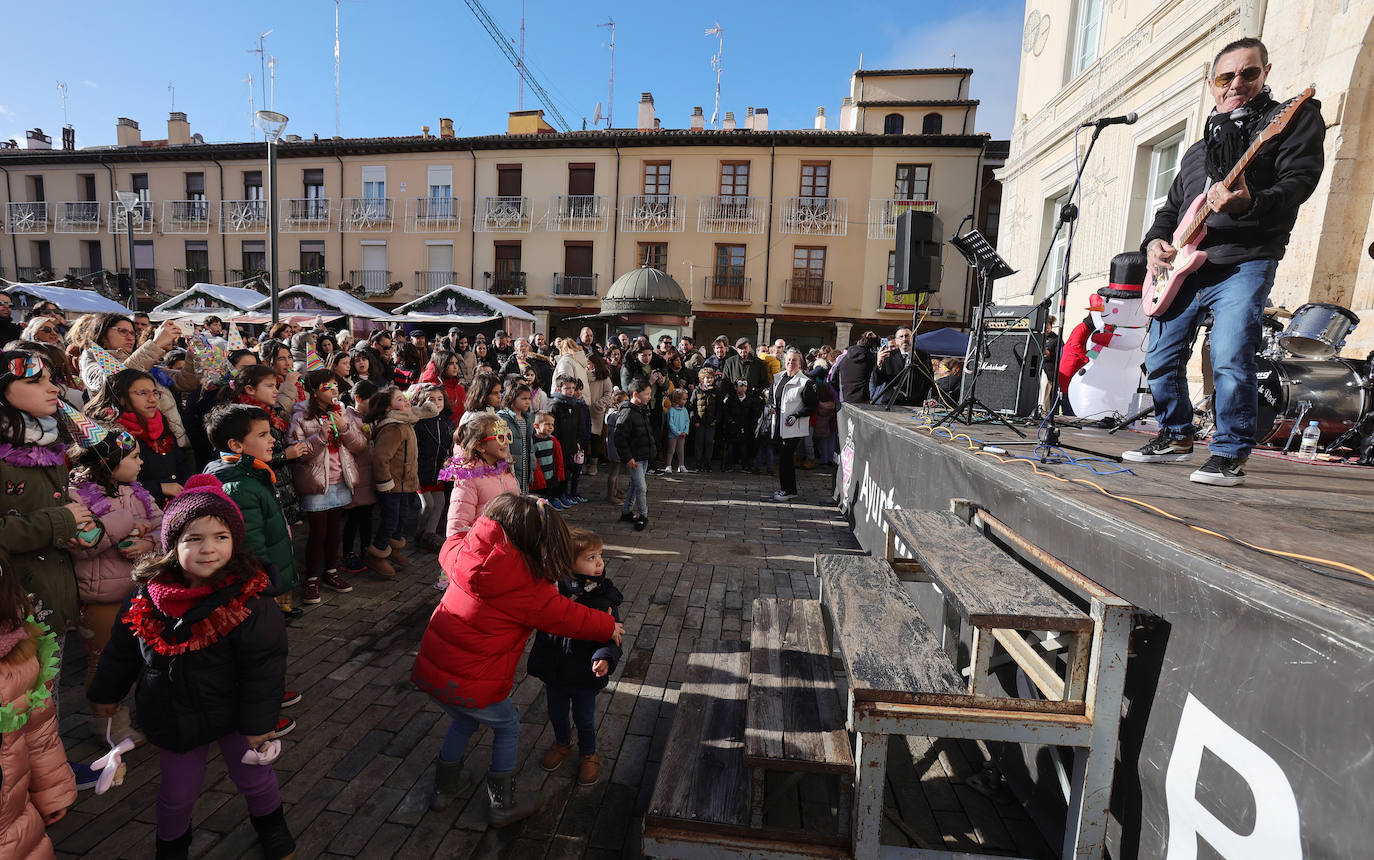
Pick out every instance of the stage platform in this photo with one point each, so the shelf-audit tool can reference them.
(1251, 679)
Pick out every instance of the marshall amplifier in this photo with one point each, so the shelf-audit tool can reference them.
(1009, 368)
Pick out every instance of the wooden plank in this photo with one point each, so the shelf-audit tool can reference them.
(1037, 669)
(984, 584)
(703, 781)
(794, 721)
(889, 653)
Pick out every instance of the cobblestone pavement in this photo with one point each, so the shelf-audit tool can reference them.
(357, 773)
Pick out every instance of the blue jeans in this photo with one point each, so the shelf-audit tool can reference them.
(583, 704)
(1236, 295)
(637, 492)
(392, 511)
(504, 721)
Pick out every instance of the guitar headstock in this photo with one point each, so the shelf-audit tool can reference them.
(1282, 118)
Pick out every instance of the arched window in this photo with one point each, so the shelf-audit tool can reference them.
(892, 124)
(932, 123)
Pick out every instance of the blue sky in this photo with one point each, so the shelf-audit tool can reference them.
(405, 64)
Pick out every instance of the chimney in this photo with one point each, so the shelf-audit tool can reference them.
(646, 111)
(698, 119)
(729, 121)
(847, 114)
(760, 119)
(68, 137)
(424, 132)
(127, 133)
(820, 119)
(178, 129)
(36, 139)
(749, 118)
(445, 127)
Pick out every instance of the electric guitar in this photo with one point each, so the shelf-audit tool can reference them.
(1161, 286)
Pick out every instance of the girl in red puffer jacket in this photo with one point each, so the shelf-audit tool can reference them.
(501, 589)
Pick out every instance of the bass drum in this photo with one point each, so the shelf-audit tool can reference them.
(1334, 389)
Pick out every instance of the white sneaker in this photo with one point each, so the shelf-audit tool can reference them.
(682, 470)
(781, 496)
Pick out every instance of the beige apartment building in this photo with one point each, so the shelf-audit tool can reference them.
(1084, 59)
(771, 232)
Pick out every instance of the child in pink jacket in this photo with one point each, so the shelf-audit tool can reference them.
(480, 471)
(104, 478)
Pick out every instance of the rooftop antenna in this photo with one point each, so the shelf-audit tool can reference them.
(717, 63)
(952, 59)
(520, 78)
(172, 95)
(272, 75)
(62, 94)
(610, 86)
(338, 120)
(262, 63)
(252, 108)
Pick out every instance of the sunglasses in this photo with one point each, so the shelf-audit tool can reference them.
(502, 437)
(1248, 74)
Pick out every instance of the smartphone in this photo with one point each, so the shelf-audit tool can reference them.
(188, 328)
(882, 343)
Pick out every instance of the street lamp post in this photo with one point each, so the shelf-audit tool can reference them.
(272, 124)
(130, 199)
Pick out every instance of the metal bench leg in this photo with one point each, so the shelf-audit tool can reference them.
(978, 666)
(870, 775)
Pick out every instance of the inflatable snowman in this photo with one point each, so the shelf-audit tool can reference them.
(1109, 384)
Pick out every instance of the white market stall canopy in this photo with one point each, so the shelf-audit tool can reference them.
(457, 305)
(305, 299)
(206, 300)
(69, 300)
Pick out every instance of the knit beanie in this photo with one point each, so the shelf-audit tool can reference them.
(203, 496)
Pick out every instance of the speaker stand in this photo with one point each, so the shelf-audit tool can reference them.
(967, 406)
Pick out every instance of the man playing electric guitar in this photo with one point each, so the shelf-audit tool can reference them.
(1245, 240)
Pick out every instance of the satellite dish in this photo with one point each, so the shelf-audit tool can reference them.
(596, 117)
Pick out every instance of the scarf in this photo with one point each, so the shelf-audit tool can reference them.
(40, 431)
(175, 600)
(256, 464)
(153, 434)
(12, 717)
(100, 504)
(41, 446)
(456, 470)
(1227, 135)
(278, 422)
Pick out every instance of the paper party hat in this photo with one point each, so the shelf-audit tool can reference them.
(312, 360)
(108, 364)
(235, 339)
(85, 431)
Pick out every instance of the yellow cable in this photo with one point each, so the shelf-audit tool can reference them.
(972, 446)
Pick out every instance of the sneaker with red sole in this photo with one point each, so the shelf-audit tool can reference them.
(285, 725)
(333, 580)
(289, 698)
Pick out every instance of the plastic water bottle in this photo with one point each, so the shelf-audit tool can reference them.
(1308, 451)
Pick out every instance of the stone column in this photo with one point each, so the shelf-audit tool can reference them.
(842, 328)
(541, 321)
(763, 328)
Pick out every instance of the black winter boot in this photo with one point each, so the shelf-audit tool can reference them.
(175, 849)
(274, 836)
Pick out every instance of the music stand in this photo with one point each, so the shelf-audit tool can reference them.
(989, 267)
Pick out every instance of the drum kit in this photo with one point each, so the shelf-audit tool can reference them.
(1303, 379)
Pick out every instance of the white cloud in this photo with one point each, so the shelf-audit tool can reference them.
(4, 111)
(92, 84)
(989, 42)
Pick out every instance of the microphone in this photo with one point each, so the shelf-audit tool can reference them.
(1128, 119)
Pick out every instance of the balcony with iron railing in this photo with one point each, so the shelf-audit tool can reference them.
(185, 216)
(138, 218)
(26, 217)
(726, 286)
(246, 278)
(804, 289)
(730, 214)
(185, 279)
(574, 285)
(884, 212)
(505, 283)
(367, 214)
(428, 282)
(815, 216)
(504, 215)
(304, 214)
(652, 213)
(78, 216)
(434, 214)
(33, 274)
(243, 216)
(92, 277)
(146, 280)
(310, 277)
(578, 213)
(371, 282)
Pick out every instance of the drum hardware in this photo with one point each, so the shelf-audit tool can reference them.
(1318, 330)
(1303, 407)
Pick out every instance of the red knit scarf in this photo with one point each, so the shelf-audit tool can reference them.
(278, 422)
(176, 600)
(152, 433)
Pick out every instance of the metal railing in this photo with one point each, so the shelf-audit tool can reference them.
(243, 277)
(652, 213)
(806, 290)
(312, 277)
(367, 214)
(139, 216)
(186, 216)
(26, 217)
(730, 214)
(243, 216)
(883, 214)
(578, 213)
(503, 215)
(33, 274)
(505, 283)
(434, 214)
(184, 279)
(815, 216)
(727, 287)
(304, 214)
(146, 280)
(372, 282)
(92, 276)
(78, 216)
(426, 282)
(574, 285)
